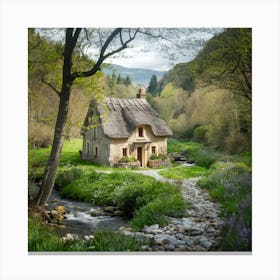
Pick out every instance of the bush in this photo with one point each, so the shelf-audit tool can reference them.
(158, 210)
(200, 134)
(128, 159)
(66, 176)
(40, 136)
(160, 156)
(204, 157)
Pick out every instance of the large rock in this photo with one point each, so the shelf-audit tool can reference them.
(58, 217)
(187, 223)
(96, 213)
(109, 209)
(60, 209)
(154, 229)
(119, 213)
(165, 238)
(196, 231)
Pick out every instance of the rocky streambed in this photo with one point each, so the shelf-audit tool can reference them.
(199, 230)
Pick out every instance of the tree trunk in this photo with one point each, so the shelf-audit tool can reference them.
(53, 161)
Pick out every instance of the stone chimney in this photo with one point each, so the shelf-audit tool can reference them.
(141, 94)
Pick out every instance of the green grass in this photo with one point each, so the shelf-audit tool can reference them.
(70, 157)
(157, 211)
(203, 156)
(129, 192)
(42, 238)
(183, 172)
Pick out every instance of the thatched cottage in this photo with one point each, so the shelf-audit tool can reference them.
(117, 128)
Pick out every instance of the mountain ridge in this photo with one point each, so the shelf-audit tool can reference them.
(139, 76)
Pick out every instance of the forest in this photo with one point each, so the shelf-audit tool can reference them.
(207, 103)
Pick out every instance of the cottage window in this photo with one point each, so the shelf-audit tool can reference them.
(124, 152)
(95, 152)
(140, 131)
(153, 150)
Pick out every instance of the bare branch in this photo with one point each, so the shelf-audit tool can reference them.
(103, 56)
(51, 86)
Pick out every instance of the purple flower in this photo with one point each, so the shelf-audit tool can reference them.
(232, 220)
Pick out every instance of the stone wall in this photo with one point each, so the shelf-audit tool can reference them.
(96, 145)
(133, 142)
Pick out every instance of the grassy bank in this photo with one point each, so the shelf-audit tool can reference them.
(183, 172)
(142, 198)
(42, 238)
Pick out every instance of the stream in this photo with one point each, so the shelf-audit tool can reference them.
(79, 217)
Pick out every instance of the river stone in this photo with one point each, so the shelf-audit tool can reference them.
(212, 215)
(144, 247)
(119, 213)
(60, 209)
(165, 238)
(189, 242)
(187, 223)
(109, 209)
(127, 233)
(58, 217)
(179, 235)
(196, 231)
(169, 247)
(151, 229)
(95, 213)
(53, 212)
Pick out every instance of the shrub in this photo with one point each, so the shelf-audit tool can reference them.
(160, 156)
(127, 159)
(66, 176)
(204, 157)
(158, 210)
(200, 134)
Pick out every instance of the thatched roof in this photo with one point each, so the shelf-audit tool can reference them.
(119, 117)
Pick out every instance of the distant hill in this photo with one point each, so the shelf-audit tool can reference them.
(138, 76)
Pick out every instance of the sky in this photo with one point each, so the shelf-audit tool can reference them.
(153, 57)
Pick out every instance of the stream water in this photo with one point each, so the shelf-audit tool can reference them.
(79, 219)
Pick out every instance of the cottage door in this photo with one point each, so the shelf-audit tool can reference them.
(139, 155)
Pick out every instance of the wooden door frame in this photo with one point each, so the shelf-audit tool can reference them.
(138, 153)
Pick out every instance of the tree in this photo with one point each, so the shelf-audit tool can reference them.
(119, 79)
(226, 62)
(127, 81)
(68, 78)
(153, 85)
(108, 42)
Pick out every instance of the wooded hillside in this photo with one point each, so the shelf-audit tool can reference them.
(209, 99)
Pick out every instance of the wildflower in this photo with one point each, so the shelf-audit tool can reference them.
(232, 220)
